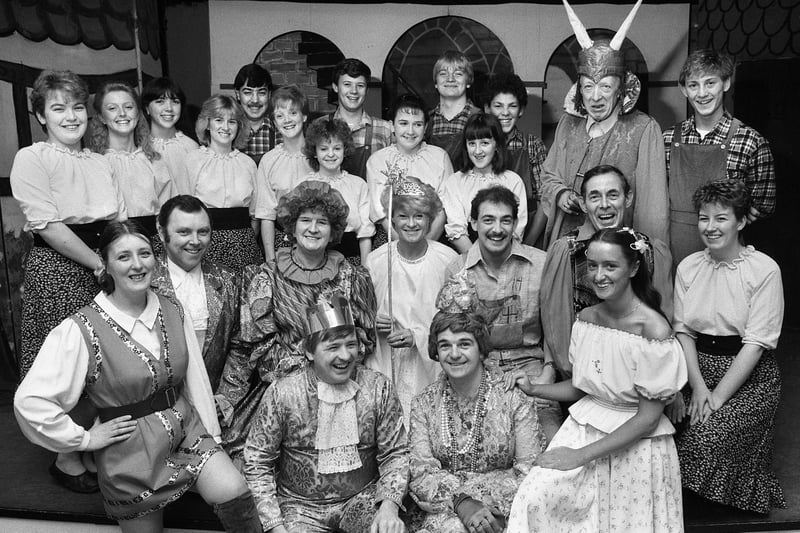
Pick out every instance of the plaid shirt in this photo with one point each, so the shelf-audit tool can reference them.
(749, 157)
(381, 132)
(537, 153)
(258, 143)
(441, 126)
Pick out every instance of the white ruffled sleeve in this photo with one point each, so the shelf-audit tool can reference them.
(52, 388)
(660, 370)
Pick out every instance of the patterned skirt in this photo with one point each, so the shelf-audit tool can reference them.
(235, 248)
(728, 458)
(54, 288)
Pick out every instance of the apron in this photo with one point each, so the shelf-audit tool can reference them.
(690, 166)
(356, 162)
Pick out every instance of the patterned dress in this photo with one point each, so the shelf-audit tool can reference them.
(636, 489)
(94, 354)
(282, 462)
(510, 441)
(728, 458)
(269, 344)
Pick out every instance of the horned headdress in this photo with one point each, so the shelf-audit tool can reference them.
(597, 60)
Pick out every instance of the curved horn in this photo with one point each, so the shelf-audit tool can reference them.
(577, 27)
(619, 37)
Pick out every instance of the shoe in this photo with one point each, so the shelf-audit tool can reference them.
(83, 483)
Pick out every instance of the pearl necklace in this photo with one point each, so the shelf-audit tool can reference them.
(469, 451)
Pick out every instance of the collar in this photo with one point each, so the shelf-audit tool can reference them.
(366, 120)
(517, 250)
(585, 231)
(264, 125)
(517, 136)
(126, 321)
(722, 126)
(179, 275)
(605, 125)
(468, 108)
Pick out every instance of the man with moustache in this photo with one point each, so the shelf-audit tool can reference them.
(506, 276)
(601, 126)
(252, 86)
(606, 197)
(208, 292)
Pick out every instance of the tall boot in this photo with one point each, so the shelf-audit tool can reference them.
(239, 515)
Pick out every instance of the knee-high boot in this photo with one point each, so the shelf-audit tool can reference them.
(239, 515)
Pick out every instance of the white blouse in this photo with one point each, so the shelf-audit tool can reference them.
(173, 157)
(278, 173)
(222, 181)
(144, 186)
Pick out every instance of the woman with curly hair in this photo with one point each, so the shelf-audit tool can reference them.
(417, 272)
(328, 141)
(162, 103)
(728, 317)
(274, 300)
(119, 134)
(224, 179)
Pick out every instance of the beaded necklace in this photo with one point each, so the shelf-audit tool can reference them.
(468, 454)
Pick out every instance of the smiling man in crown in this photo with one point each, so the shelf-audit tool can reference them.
(601, 127)
(327, 450)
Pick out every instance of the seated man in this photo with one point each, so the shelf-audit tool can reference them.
(208, 292)
(327, 450)
(566, 290)
(506, 275)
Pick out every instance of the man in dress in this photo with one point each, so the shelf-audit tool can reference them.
(327, 450)
(506, 276)
(600, 126)
(252, 87)
(207, 291)
(350, 80)
(711, 145)
(606, 197)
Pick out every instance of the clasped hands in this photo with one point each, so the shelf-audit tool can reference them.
(702, 405)
(478, 517)
(396, 337)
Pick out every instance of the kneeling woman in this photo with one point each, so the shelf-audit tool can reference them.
(613, 465)
(137, 360)
(471, 441)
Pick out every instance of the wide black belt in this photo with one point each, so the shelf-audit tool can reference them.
(160, 400)
(89, 233)
(230, 217)
(718, 345)
(148, 223)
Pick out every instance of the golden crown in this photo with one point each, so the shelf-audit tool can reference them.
(329, 314)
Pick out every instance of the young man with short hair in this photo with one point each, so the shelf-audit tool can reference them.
(506, 99)
(350, 82)
(711, 145)
(252, 86)
(327, 450)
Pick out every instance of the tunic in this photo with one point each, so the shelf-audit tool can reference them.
(415, 285)
(145, 186)
(281, 459)
(511, 439)
(430, 164)
(53, 184)
(117, 360)
(272, 307)
(173, 156)
(460, 189)
(636, 489)
(278, 173)
(634, 145)
(728, 458)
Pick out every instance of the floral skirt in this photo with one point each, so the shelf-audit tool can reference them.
(728, 458)
(636, 490)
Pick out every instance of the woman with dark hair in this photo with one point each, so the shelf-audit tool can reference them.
(162, 104)
(274, 300)
(224, 179)
(67, 195)
(328, 141)
(418, 271)
(472, 441)
(483, 163)
(626, 365)
(728, 317)
(136, 359)
(117, 133)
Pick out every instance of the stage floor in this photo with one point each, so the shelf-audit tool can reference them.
(29, 493)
